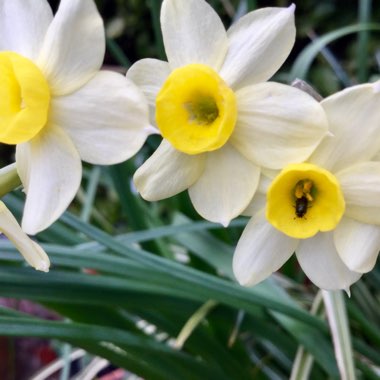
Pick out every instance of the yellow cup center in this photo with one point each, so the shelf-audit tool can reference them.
(24, 99)
(303, 200)
(195, 109)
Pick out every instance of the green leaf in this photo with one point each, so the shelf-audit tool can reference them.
(303, 62)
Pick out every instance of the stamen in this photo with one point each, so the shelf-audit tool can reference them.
(303, 189)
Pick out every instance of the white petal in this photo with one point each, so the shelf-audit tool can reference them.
(226, 186)
(277, 124)
(105, 129)
(361, 189)
(149, 75)
(167, 172)
(257, 203)
(23, 24)
(259, 200)
(261, 251)
(50, 169)
(320, 261)
(358, 244)
(192, 33)
(353, 116)
(74, 46)
(259, 43)
(32, 252)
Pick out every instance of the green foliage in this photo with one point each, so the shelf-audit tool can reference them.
(127, 275)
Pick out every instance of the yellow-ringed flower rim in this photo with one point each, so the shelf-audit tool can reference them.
(24, 99)
(195, 109)
(303, 200)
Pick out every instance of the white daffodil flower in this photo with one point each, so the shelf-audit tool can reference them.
(32, 252)
(327, 210)
(56, 105)
(221, 122)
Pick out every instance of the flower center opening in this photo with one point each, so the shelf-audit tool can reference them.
(303, 196)
(195, 109)
(24, 99)
(303, 200)
(202, 110)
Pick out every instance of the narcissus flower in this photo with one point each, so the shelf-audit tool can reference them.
(32, 252)
(326, 210)
(220, 121)
(57, 107)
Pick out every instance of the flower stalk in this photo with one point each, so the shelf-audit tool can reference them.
(9, 179)
(340, 331)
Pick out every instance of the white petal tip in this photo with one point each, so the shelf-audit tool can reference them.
(242, 277)
(248, 282)
(43, 266)
(348, 292)
(29, 230)
(30, 227)
(225, 223)
(292, 7)
(238, 278)
(241, 283)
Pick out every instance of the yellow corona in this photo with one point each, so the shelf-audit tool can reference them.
(303, 200)
(24, 99)
(195, 109)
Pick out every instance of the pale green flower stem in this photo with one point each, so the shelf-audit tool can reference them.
(9, 179)
(334, 307)
(303, 361)
(340, 331)
(193, 322)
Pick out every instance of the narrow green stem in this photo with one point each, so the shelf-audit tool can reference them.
(340, 331)
(9, 179)
(90, 193)
(193, 322)
(155, 6)
(363, 40)
(303, 361)
(118, 53)
(65, 373)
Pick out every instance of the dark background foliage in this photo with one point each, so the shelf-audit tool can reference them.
(246, 333)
